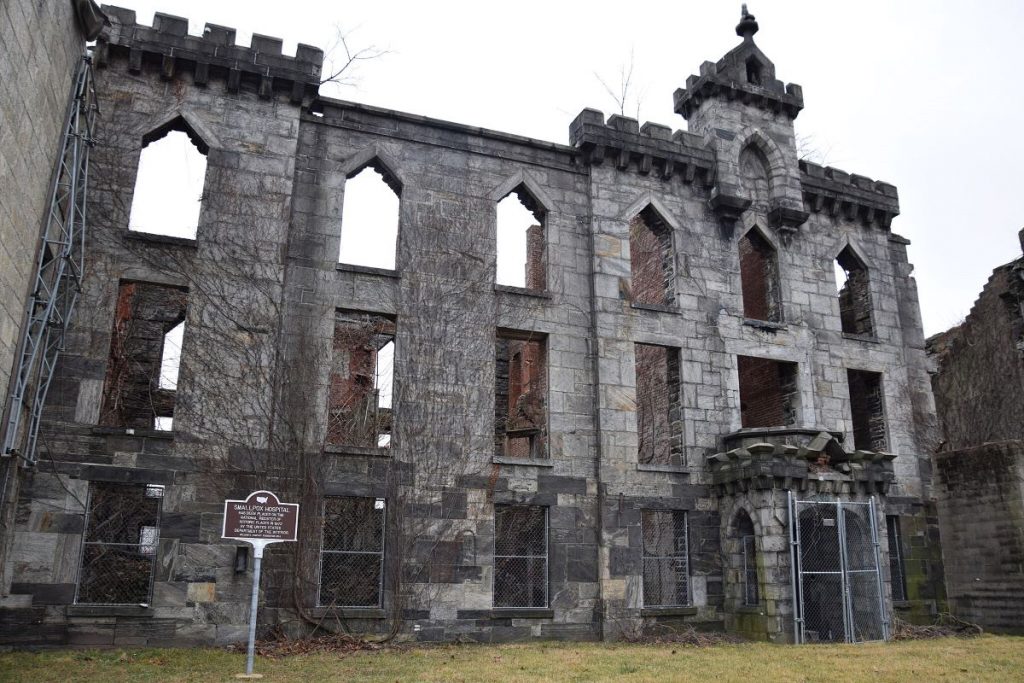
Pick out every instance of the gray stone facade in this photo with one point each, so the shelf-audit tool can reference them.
(265, 289)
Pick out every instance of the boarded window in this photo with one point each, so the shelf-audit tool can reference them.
(169, 183)
(359, 409)
(759, 278)
(651, 260)
(520, 556)
(520, 241)
(369, 217)
(352, 553)
(119, 548)
(666, 570)
(854, 294)
(867, 410)
(142, 366)
(769, 395)
(897, 569)
(520, 398)
(658, 408)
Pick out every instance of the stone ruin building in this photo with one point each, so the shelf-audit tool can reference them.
(979, 394)
(704, 401)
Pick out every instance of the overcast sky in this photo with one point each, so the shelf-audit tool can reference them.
(925, 95)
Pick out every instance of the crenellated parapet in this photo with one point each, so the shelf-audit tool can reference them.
(644, 149)
(798, 460)
(851, 196)
(214, 56)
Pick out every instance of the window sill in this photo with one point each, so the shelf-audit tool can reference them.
(160, 239)
(109, 611)
(522, 613)
(651, 467)
(668, 611)
(902, 604)
(367, 270)
(524, 291)
(748, 609)
(129, 431)
(364, 451)
(532, 462)
(765, 325)
(661, 308)
(348, 612)
(869, 338)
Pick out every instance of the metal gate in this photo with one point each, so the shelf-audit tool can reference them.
(837, 584)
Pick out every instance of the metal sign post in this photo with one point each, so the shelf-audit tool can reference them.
(260, 519)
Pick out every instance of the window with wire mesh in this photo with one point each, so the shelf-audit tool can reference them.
(748, 550)
(750, 590)
(122, 530)
(666, 562)
(352, 554)
(520, 556)
(897, 570)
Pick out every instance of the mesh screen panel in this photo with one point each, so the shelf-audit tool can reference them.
(666, 570)
(352, 555)
(520, 556)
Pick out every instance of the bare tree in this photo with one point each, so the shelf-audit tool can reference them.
(625, 93)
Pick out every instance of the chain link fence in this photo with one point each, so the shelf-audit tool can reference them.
(119, 545)
(352, 552)
(520, 556)
(837, 577)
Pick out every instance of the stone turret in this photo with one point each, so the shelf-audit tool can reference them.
(737, 103)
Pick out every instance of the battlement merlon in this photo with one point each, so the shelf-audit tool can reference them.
(849, 194)
(646, 147)
(720, 80)
(212, 56)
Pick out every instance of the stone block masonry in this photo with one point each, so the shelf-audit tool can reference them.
(608, 403)
(981, 519)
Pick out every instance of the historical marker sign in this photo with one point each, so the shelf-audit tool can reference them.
(261, 517)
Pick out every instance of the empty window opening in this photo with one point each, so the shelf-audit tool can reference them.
(866, 408)
(369, 218)
(119, 545)
(748, 558)
(520, 556)
(666, 558)
(897, 570)
(769, 396)
(169, 184)
(359, 411)
(145, 357)
(854, 293)
(753, 71)
(759, 278)
(520, 241)
(352, 552)
(652, 272)
(520, 398)
(658, 405)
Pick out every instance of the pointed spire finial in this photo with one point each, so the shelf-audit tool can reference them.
(747, 26)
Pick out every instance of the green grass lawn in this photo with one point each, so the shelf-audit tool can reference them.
(987, 658)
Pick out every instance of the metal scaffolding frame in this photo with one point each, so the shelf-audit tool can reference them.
(58, 275)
